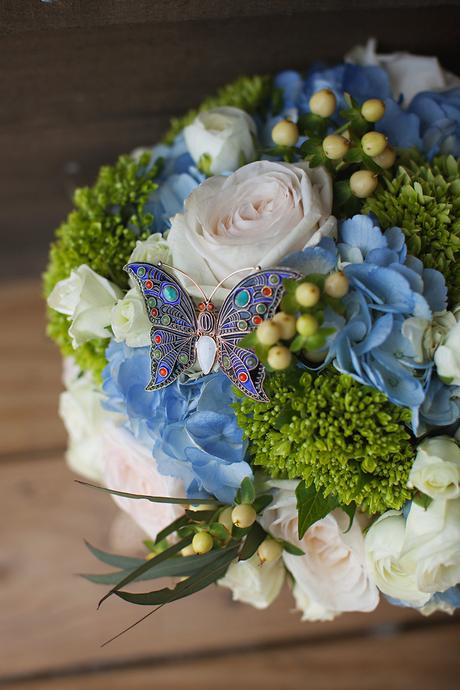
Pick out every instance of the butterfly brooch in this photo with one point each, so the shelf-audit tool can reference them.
(183, 333)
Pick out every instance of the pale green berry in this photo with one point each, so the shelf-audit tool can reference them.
(336, 285)
(307, 325)
(269, 551)
(307, 294)
(243, 515)
(225, 518)
(279, 357)
(386, 159)
(286, 324)
(285, 133)
(363, 183)
(374, 143)
(202, 543)
(268, 333)
(188, 551)
(323, 103)
(373, 109)
(335, 146)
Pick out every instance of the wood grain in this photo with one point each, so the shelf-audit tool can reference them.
(49, 617)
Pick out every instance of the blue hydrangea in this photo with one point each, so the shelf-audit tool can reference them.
(191, 427)
(439, 117)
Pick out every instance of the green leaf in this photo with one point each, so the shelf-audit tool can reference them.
(312, 506)
(298, 343)
(123, 562)
(350, 510)
(173, 527)
(218, 531)
(262, 502)
(246, 493)
(254, 539)
(422, 500)
(153, 499)
(148, 565)
(204, 164)
(290, 548)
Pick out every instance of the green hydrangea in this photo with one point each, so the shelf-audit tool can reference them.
(424, 200)
(101, 232)
(341, 436)
(247, 93)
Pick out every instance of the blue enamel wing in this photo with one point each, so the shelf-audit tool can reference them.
(182, 333)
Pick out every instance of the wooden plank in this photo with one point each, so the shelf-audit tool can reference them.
(49, 617)
(30, 373)
(420, 659)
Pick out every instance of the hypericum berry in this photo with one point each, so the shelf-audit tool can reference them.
(374, 143)
(336, 285)
(268, 333)
(243, 515)
(307, 325)
(286, 324)
(279, 357)
(335, 146)
(188, 551)
(386, 159)
(285, 133)
(225, 518)
(202, 543)
(269, 551)
(373, 109)
(307, 294)
(363, 183)
(323, 103)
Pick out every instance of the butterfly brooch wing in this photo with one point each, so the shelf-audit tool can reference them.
(174, 327)
(252, 301)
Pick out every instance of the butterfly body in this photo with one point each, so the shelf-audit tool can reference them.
(183, 333)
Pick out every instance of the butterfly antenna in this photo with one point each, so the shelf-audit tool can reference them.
(240, 270)
(178, 270)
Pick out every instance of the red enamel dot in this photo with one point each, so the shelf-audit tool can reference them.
(257, 319)
(267, 291)
(148, 284)
(243, 377)
(157, 339)
(163, 372)
(201, 306)
(211, 307)
(154, 311)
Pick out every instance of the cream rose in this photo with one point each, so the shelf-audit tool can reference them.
(255, 217)
(130, 323)
(436, 469)
(224, 134)
(152, 250)
(332, 577)
(129, 466)
(87, 299)
(447, 356)
(254, 584)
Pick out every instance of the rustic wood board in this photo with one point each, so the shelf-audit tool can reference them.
(49, 617)
(425, 660)
(30, 374)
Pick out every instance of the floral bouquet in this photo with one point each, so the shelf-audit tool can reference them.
(260, 325)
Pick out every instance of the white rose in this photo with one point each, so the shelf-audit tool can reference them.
(226, 135)
(130, 323)
(408, 73)
(436, 469)
(254, 584)
(393, 574)
(129, 466)
(426, 335)
(447, 357)
(152, 250)
(84, 418)
(87, 299)
(432, 544)
(255, 217)
(332, 577)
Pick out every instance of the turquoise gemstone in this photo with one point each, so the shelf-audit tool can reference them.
(242, 298)
(165, 319)
(261, 308)
(242, 325)
(170, 293)
(141, 271)
(152, 302)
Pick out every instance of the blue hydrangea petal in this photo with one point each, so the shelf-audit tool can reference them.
(401, 127)
(380, 331)
(435, 289)
(382, 257)
(360, 231)
(311, 260)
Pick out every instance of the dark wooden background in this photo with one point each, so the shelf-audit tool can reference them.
(82, 81)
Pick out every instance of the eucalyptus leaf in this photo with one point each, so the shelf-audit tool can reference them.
(123, 562)
(290, 548)
(312, 506)
(254, 539)
(262, 502)
(153, 499)
(170, 529)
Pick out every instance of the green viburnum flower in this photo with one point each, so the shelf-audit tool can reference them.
(424, 200)
(101, 232)
(341, 436)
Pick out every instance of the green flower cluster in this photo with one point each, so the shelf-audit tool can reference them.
(424, 200)
(247, 93)
(101, 232)
(341, 436)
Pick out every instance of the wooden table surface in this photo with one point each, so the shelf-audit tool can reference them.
(50, 631)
